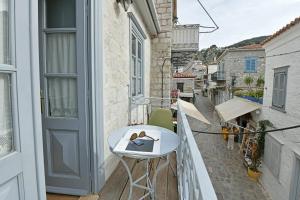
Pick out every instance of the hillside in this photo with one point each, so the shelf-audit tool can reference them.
(208, 55)
(255, 40)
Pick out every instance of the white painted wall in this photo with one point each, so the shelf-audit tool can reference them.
(116, 73)
(289, 41)
(212, 69)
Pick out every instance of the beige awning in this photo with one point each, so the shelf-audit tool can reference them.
(235, 107)
(190, 110)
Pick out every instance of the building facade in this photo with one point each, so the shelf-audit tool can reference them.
(281, 166)
(234, 65)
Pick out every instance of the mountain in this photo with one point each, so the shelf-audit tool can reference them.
(255, 40)
(208, 55)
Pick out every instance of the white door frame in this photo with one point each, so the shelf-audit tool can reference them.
(96, 93)
(35, 85)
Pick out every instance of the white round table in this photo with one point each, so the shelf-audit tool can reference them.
(169, 142)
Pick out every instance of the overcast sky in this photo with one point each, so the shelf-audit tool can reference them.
(238, 19)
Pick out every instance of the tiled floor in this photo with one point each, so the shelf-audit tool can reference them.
(225, 167)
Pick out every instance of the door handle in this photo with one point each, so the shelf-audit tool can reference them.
(42, 98)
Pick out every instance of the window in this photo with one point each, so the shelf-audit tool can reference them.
(250, 64)
(137, 61)
(7, 80)
(272, 155)
(279, 88)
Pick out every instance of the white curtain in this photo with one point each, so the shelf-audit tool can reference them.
(4, 33)
(61, 60)
(6, 129)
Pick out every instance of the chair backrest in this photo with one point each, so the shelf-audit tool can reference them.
(162, 118)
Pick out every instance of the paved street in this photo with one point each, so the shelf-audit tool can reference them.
(228, 175)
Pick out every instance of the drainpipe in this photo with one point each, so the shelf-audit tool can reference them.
(162, 79)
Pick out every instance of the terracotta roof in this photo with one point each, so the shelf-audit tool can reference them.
(282, 30)
(183, 75)
(251, 46)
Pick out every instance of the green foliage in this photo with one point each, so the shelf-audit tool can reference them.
(263, 124)
(260, 81)
(248, 80)
(252, 93)
(208, 55)
(260, 142)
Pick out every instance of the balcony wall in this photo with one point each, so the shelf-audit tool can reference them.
(193, 179)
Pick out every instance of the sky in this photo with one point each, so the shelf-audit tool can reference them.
(237, 19)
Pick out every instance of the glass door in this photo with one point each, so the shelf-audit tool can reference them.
(64, 97)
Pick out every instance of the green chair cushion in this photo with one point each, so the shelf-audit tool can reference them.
(162, 118)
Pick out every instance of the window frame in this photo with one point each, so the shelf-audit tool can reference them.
(251, 59)
(136, 31)
(11, 70)
(280, 70)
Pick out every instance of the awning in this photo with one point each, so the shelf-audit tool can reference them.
(185, 94)
(190, 110)
(235, 107)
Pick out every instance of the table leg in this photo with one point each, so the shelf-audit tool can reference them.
(156, 172)
(129, 175)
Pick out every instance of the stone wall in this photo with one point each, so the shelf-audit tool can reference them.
(188, 84)
(234, 64)
(161, 50)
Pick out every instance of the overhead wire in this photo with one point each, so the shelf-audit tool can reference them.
(216, 27)
(246, 133)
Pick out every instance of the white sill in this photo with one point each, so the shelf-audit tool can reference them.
(278, 109)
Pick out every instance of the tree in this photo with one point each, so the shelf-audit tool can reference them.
(260, 81)
(248, 80)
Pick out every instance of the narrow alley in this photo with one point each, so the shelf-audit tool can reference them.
(225, 167)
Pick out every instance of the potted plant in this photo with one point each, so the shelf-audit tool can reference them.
(258, 150)
(253, 171)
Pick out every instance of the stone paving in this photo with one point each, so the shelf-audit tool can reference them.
(225, 167)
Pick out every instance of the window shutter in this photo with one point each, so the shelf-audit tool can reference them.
(272, 155)
(281, 89)
(253, 69)
(275, 90)
(247, 64)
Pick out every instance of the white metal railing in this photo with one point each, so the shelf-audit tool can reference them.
(193, 179)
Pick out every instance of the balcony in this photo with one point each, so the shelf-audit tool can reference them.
(218, 76)
(192, 180)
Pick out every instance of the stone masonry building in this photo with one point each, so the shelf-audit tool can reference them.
(233, 66)
(161, 50)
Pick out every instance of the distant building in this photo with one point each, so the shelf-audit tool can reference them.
(281, 166)
(210, 85)
(184, 83)
(234, 65)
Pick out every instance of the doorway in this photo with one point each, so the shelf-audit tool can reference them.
(64, 96)
(180, 87)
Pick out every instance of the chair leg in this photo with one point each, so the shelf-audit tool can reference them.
(172, 168)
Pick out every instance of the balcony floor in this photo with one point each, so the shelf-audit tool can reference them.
(117, 186)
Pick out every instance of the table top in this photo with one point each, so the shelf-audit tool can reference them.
(169, 141)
